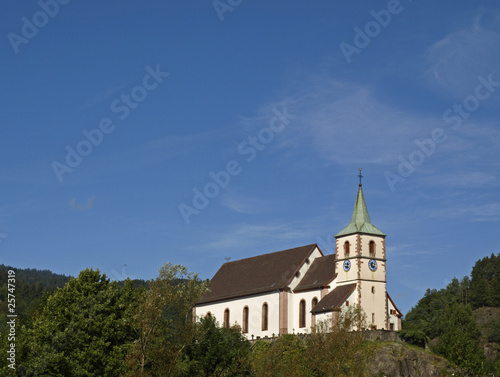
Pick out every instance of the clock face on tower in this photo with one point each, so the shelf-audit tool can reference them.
(372, 264)
(347, 265)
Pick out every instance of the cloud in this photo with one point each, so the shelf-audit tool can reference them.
(103, 96)
(455, 61)
(348, 124)
(75, 206)
(478, 213)
(264, 236)
(244, 204)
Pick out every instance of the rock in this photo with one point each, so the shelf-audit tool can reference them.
(401, 360)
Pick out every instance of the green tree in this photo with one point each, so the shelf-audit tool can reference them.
(459, 338)
(82, 329)
(485, 282)
(216, 351)
(333, 349)
(163, 323)
(494, 331)
(284, 358)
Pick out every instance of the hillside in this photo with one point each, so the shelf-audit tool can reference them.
(461, 321)
(29, 288)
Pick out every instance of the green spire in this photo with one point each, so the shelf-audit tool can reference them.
(360, 220)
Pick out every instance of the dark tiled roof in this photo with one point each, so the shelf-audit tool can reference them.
(263, 273)
(320, 274)
(334, 299)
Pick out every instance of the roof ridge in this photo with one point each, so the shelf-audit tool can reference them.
(273, 252)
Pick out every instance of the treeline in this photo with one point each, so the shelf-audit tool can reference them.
(30, 287)
(444, 319)
(96, 327)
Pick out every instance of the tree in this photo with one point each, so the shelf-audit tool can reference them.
(485, 282)
(163, 321)
(82, 329)
(285, 357)
(459, 338)
(333, 349)
(215, 351)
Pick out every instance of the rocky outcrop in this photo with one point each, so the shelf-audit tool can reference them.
(401, 360)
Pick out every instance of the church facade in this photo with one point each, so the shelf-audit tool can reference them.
(289, 291)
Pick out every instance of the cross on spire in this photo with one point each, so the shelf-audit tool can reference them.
(360, 176)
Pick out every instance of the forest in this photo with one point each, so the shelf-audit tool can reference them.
(90, 325)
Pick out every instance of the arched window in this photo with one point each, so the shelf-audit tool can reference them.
(313, 317)
(226, 318)
(347, 248)
(209, 315)
(302, 313)
(265, 314)
(372, 247)
(245, 320)
(373, 289)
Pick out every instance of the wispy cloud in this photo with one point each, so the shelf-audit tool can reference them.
(103, 96)
(253, 236)
(455, 61)
(481, 212)
(347, 123)
(240, 203)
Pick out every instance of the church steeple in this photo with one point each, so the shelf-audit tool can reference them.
(360, 220)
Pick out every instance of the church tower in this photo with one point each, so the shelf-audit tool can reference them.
(360, 258)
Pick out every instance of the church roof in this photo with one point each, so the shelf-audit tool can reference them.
(360, 220)
(334, 299)
(263, 273)
(320, 274)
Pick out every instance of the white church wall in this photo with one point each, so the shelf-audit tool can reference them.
(255, 306)
(303, 269)
(393, 318)
(373, 302)
(294, 308)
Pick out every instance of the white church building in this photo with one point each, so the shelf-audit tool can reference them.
(289, 291)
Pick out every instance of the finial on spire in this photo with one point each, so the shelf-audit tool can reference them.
(360, 176)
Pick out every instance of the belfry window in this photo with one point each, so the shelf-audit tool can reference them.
(347, 248)
(302, 313)
(372, 247)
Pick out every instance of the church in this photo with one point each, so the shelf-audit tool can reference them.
(289, 291)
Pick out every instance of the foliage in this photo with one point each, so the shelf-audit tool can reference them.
(481, 289)
(440, 313)
(30, 286)
(331, 350)
(82, 330)
(494, 331)
(485, 282)
(286, 357)
(459, 338)
(162, 321)
(216, 351)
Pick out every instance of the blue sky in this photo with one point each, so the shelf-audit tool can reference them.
(118, 114)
